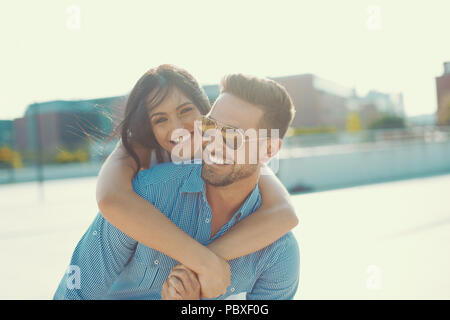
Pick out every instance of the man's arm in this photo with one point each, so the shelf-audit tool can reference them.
(280, 280)
(98, 259)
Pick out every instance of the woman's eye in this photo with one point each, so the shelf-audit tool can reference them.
(159, 120)
(186, 110)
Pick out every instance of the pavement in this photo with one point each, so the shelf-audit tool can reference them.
(383, 241)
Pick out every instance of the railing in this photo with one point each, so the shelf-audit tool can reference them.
(412, 134)
(300, 146)
(321, 162)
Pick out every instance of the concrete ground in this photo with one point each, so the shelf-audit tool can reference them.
(383, 241)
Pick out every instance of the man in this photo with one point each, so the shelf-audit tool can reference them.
(205, 201)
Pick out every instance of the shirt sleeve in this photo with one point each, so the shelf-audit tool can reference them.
(280, 280)
(99, 257)
(97, 261)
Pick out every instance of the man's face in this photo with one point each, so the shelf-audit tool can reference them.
(231, 111)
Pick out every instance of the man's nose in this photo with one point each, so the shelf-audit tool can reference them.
(214, 139)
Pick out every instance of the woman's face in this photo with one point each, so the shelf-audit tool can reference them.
(175, 112)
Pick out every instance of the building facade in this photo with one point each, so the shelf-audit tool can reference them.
(68, 125)
(56, 125)
(323, 103)
(443, 96)
(6, 133)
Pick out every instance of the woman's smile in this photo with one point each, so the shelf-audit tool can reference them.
(175, 112)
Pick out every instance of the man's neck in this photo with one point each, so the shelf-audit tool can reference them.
(225, 201)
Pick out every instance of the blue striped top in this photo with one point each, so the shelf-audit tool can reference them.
(108, 264)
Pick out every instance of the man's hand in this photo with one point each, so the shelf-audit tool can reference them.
(182, 284)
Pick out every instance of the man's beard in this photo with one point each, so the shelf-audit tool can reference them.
(238, 172)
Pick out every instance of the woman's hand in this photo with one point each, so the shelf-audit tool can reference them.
(182, 284)
(214, 278)
(169, 292)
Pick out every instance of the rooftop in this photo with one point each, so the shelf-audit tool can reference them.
(383, 241)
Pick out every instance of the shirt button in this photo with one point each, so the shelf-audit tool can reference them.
(95, 232)
(232, 289)
(207, 220)
(156, 262)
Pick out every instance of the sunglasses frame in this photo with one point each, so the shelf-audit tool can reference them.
(223, 130)
(220, 126)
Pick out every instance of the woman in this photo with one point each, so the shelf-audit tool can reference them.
(164, 99)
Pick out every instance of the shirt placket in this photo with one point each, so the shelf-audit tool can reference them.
(205, 222)
(227, 226)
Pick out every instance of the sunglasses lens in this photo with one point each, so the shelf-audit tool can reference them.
(232, 138)
(207, 124)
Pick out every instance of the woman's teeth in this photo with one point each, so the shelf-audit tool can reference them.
(181, 139)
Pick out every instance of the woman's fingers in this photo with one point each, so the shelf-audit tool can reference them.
(176, 283)
(188, 278)
(193, 279)
(179, 267)
(173, 294)
(169, 293)
(165, 292)
(192, 275)
(185, 282)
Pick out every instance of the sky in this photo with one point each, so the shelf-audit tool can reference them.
(77, 49)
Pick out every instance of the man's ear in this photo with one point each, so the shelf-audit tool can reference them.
(273, 146)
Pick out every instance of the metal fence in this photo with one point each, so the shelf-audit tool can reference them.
(411, 134)
(35, 169)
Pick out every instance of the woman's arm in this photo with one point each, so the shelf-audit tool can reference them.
(142, 221)
(139, 219)
(273, 219)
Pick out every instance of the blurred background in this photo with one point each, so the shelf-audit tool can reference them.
(367, 159)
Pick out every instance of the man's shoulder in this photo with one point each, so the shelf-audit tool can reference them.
(286, 241)
(283, 248)
(168, 172)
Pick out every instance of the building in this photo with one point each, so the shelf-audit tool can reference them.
(6, 133)
(56, 125)
(64, 124)
(318, 102)
(443, 96)
(387, 103)
(323, 103)
(21, 134)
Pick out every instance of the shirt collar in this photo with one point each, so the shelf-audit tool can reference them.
(249, 204)
(194, 183)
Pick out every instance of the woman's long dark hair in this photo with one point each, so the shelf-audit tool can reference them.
(150, 90)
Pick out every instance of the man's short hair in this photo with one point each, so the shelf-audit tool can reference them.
(266, 94)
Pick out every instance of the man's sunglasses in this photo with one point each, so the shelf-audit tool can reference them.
(232, 137)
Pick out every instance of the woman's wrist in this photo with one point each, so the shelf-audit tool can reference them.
(200, 259)
(218, 249)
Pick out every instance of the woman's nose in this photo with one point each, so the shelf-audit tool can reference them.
(177, 129)
(178, 124)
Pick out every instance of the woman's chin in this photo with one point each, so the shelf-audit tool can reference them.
(182, 151)
(178, 155)
(168, 148)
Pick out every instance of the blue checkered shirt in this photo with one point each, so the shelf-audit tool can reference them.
(112, 265)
